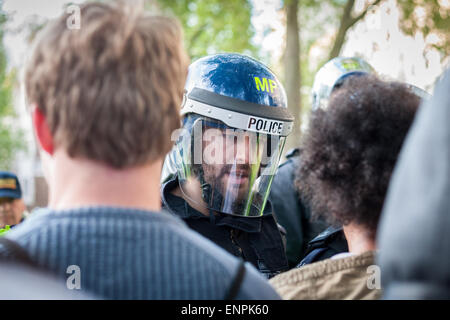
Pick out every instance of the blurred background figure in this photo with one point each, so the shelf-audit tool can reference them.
(12, 207)
(332, 75)
(348, 156)
(414, 236)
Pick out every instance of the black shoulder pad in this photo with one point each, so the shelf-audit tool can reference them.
(292, 153)
(325, 235)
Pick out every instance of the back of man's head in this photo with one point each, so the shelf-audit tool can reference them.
(111, 90)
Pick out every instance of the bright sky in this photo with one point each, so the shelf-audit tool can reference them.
(267, 20)
(23, 10)
(390, 52)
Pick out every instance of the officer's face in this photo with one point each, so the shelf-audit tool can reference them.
(227, 161)
(11, 211)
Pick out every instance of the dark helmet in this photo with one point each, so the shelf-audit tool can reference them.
(9, 185)
(421, 93)
(332, 75)
(241, 103)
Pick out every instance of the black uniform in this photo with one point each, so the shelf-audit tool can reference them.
(257, 240)
(328, 243)
(291, 211)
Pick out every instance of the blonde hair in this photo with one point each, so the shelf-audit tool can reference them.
(111, 90)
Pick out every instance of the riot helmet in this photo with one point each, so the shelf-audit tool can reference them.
(421, 93)
(332, 75)
(235, 122)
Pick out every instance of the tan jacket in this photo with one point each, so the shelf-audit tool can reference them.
(343, 278)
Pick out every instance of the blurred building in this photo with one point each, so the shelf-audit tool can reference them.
(27, 164)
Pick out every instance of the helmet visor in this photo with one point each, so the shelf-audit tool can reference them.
(225, 169)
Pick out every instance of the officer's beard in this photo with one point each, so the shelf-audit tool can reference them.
(231, 180)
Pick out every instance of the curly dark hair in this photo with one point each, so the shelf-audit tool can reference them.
(350, 150)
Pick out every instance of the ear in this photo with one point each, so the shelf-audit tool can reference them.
(42, 130)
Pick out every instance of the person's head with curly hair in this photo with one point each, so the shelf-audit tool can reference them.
(350, 150)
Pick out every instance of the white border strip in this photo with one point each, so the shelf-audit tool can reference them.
(239, 120)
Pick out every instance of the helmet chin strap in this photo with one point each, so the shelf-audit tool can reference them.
(206, 196)
(206, 189)
(209, 194)
(212, 217)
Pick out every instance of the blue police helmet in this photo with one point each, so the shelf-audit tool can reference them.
(238, 84)
(9, 185)
(237, 76)
(331, 75)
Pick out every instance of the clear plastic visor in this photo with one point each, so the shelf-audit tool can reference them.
(225, 169)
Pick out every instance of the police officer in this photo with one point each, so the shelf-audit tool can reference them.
(291, 210)
(217, 177)
(12, 206)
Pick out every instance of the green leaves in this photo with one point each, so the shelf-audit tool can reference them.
(213, 26)
(430, 17)
(10, 136)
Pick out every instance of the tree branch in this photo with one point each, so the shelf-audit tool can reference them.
(347, 21)
(344, 25)
(363, 13)
(347, 18)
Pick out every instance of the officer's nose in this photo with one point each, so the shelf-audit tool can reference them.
(242, 150)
